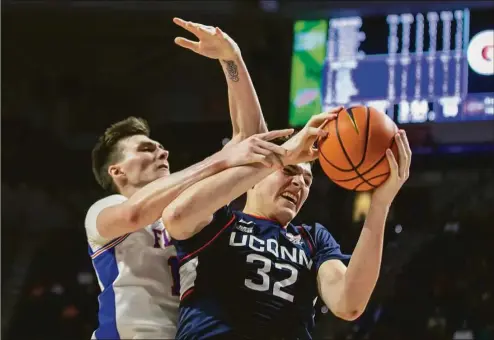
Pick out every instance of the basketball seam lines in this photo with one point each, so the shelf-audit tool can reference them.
(359, 175)
(365, 149)
(367, 128)
(374, 177)
(334, 166)
(365, 146)
(368, 170)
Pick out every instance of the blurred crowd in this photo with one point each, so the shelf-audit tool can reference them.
(445, 292)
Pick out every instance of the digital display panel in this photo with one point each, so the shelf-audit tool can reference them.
(416, 67)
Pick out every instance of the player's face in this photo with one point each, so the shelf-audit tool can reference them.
(283, 193)
(143, 161)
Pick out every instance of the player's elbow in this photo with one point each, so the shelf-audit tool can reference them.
(348, 310)
(175, 223)
(131, 215)
(348, 315)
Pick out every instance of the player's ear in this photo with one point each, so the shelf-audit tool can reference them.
(115, 171)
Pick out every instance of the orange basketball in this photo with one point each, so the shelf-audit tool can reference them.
(354, 153)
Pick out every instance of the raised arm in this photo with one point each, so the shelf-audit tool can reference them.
(245, 109)
(346, 291)
(194, 208)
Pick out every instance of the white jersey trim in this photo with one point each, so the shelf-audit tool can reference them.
(110, 245)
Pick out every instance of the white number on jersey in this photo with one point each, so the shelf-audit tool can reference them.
(263, 273)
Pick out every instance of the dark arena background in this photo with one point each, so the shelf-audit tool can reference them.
(70, 68)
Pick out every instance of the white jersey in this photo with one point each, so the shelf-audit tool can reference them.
(138, 277)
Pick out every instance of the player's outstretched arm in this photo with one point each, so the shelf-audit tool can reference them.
(194, 208)
(245, 109)
(146, 205)
(346, 291)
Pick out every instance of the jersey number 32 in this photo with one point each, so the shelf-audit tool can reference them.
(263, 273)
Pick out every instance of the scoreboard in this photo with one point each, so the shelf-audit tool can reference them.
(433, 66)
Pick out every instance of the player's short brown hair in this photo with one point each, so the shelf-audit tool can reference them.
(106, 151)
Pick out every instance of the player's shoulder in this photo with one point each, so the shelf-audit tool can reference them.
(313, 228)
(223, 215)
(103, 203)
(94, 238)
(108, 201)
(111, 200)
(317, 232)
(258, 220)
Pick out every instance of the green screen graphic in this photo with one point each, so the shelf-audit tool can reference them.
(309, 51)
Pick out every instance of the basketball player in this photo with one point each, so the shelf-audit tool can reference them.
(252, 273)
(131, 251)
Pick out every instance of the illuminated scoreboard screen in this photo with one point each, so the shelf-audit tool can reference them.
(416, 67)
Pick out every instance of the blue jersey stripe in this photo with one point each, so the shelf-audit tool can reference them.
(107, 270)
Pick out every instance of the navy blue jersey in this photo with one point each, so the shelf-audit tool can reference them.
(247, 277)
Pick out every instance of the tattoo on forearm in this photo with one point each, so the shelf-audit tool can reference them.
(232, 70)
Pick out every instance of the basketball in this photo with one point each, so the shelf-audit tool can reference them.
(354, 153)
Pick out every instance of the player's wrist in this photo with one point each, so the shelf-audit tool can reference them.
(380, 204)
(237, 54)
(219, 161)
(289, 159)
(234, 56)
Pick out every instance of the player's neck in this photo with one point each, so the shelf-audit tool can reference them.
(255, 212)
(258, 213)
(128, 191)
(251, 209)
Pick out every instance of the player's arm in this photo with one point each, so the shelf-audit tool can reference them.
(245, 109)
(194, 208)
(145, 206)
(346, 291)
(191, 212)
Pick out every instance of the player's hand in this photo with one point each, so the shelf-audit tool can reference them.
(257, 149)
(301, 147)
(213, 42)
(399, 171)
